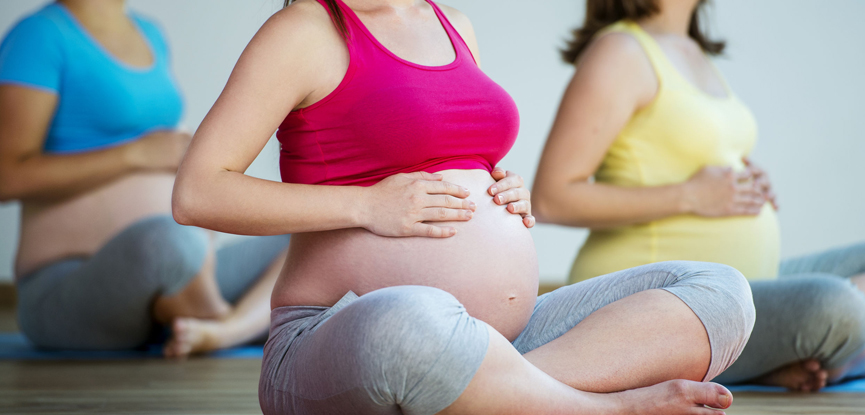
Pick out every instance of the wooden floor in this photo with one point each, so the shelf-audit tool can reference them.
(229, 386)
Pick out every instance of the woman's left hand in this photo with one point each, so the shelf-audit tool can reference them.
(508, 190)
(761, 182)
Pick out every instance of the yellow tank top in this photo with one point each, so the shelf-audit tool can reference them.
(666, 142)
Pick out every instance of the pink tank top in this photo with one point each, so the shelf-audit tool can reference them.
(391, 116)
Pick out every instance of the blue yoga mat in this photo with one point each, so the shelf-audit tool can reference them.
(14, 346)
(849, 386)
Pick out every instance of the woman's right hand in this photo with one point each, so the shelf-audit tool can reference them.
(719, 191)
(161, 150)
(401, 204)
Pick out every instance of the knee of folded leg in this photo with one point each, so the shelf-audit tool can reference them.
(174, 252)
(730, 284)
(837, 305)
(404, 327)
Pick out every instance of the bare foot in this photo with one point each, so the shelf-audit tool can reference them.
(192, 336)
(804, 376)
(677, 397)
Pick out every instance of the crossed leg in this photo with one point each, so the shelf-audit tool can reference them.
(636, 344)
(202, 319)
(415, 350)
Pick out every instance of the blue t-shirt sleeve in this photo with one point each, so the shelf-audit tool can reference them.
(31, 55)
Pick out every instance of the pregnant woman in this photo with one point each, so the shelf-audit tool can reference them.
(88, 109)
(411, 281)
(651, 120)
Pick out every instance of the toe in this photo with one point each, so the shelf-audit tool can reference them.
(811, 365)
(712, 395)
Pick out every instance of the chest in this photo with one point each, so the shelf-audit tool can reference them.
(126, 45)
(681, 132)
(102, 98)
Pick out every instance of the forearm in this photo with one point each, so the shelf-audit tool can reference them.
(51, 177)
(236, 203)
(598, 206)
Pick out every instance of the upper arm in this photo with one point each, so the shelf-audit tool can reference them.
(277, 70)
(31, 61)
(613, 79)
(25, 114)
(32, 55)
(463, 25)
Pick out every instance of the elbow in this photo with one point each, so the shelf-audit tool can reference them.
(8, 191)
(546, 209)
(181, 213)
(184, 209)
(540, 208)
(555, 211)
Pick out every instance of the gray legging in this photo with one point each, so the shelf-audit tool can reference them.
(811, 311)
(413, 350)
(104, 302)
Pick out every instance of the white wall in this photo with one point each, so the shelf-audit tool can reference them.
(797, 63)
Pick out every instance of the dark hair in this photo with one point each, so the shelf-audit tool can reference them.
(336, 13)
(602, 13)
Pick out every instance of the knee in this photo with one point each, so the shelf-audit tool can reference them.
(173, 252)
(405, 316)
(836, 312)
(721, 298)
(416, 339)
(724, 285)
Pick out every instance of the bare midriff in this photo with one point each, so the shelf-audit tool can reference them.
(79, 226)
(490, 265)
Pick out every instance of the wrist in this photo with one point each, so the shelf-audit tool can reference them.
(360, 210)
(684, 197)
(131, 156)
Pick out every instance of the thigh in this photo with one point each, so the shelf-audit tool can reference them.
(399, 350)
(806, 316)
(559, 311)
(105, 301)
(845, 262)
(241, 264)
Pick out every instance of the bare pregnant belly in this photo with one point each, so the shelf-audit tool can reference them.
(490, 265)
(78, 227)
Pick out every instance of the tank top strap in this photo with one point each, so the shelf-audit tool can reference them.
(663, 68)
(460, 46)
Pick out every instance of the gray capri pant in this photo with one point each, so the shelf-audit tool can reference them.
(812, 311)
(104, 302)
(413, 350)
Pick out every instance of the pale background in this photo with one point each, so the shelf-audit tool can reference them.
(797, 63)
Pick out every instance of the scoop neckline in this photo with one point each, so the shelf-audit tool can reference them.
(105, 52)
(728, 92)
(457, 55)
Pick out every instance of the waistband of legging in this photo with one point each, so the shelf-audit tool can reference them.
(304, 318)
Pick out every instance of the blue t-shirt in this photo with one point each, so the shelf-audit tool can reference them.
(102, 101)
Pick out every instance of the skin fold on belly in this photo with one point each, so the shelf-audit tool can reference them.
(79, 226)
(490, 265)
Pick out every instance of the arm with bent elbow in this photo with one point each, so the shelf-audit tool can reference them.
(613, 81)
(212, 191)
(26, 173)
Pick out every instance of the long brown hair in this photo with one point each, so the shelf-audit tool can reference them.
(335, 12)
(602, 13)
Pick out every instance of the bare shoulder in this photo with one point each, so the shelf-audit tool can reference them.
(613, 48)
(300, 38)
(301, 18)
(463, 25)
(617, 61)
(457, 18)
